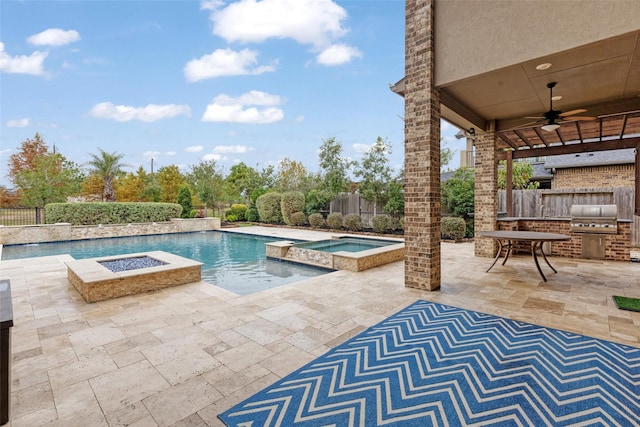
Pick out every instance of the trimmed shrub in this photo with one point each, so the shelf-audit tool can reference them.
(334, 220)
(298, 218)
(269, 208)
(238, 211)
(452, 227)
(316, 220)
(395, 224)
(110, 212)
(401, 223)
(381, 223)
(252, 214)
(352, 222)
(292, 201)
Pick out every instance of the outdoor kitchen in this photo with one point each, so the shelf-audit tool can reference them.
(596, 232)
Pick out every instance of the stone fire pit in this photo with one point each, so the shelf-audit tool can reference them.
(96, 281)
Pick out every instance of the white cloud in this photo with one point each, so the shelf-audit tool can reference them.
(360, 148)
(170, 153)
(54, 37)
(151, 155)
(309, 22)
(224, 62)
(21, 123)
(194, 149)
(233, 110)
(150, 113)
(231, 149)
(338, 54)
(300, 119)
(211, 156)
(22, 64)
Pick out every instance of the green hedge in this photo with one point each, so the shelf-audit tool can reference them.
(452, 227)
(110, 212)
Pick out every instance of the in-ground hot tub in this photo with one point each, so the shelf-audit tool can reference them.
(339, 253)
(347, 244)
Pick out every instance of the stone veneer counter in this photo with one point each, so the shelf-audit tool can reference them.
(95, 282)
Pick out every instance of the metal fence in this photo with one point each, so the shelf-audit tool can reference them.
(21, 216)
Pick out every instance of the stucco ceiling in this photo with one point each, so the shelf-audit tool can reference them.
(603, 78)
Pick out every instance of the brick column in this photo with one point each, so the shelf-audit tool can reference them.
(486, 191)
(422, 150)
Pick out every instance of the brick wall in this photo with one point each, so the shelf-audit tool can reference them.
(595, 176)
(422, 150)
(617, 246)
(486, 191)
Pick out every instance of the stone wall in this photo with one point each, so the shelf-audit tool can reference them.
(15, 235)
(595, 177)
(617, 246)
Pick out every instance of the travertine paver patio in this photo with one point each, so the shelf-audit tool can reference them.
(182, 355)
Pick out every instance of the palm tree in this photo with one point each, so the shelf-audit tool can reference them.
(107, 166)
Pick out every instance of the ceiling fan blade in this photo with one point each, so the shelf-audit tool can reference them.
(579, 119)
(572, 112)
(525, 125)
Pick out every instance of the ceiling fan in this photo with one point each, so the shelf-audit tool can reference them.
(553, 118)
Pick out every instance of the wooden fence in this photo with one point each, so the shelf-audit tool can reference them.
(557, 204)
(352, 203)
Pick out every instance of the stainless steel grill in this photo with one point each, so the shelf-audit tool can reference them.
(602, 219)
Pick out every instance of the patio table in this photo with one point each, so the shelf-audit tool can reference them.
(507, 239)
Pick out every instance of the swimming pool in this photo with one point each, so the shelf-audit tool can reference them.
(234, 262)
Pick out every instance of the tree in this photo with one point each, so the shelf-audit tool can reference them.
(395, 202)
(26, 157)
(131, 187)
(52, 179)
(291, 175)
(206, 181)
(241, 181)
(521, 174)
(446, 154)
(335, 167)
(170, 180)
(9, 198)
(458, 195)
(184, 200)
(108, 167)
(375, 173)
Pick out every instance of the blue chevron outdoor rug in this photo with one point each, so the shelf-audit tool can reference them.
(437, 365)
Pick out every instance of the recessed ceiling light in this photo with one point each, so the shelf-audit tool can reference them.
(556, 98)
(544, 66)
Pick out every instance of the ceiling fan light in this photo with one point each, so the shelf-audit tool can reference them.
(550, 127)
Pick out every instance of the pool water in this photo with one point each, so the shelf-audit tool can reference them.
(347, 244)
(234, 262)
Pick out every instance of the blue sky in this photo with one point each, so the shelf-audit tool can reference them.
(180, 81)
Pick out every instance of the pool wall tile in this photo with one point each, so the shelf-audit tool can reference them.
(22, 234)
